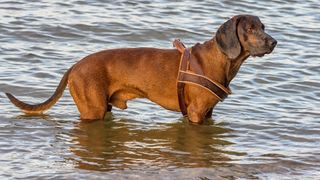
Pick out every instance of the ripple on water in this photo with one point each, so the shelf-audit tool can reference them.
(268, 128)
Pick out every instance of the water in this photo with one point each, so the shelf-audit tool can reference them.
(268, 129)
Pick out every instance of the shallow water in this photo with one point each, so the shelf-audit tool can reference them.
(268, 129)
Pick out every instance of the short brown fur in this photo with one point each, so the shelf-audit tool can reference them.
(112, 77)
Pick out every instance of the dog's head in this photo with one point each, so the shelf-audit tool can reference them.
(244, 33)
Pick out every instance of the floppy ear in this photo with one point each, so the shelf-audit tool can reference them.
(227, 38)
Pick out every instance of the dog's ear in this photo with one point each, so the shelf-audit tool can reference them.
(227, 38)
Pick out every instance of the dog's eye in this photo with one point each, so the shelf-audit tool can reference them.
(262, 26)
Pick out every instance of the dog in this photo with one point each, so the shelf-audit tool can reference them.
(112, 77)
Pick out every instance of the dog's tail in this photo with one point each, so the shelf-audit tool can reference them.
(40, 108)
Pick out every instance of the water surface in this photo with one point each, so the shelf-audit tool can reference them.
(268, 129)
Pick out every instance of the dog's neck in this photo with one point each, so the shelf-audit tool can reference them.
(215, 64)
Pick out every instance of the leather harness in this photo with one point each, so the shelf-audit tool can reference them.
(194, 77)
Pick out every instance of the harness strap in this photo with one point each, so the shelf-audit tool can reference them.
(185, 76)
(180, 86)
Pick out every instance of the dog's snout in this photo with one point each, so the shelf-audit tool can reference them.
(272, 42)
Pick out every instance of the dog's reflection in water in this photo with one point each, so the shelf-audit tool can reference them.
(124, 143)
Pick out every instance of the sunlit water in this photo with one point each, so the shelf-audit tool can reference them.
(269, 128)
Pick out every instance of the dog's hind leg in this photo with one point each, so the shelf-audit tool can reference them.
(91, 100)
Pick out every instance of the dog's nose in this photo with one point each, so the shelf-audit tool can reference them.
(273, 42)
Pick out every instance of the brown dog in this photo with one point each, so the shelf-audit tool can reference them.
(112, 77)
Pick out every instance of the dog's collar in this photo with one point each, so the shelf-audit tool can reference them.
(194, 77)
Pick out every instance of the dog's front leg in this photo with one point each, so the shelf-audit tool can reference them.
(209, 113)
(196, 113)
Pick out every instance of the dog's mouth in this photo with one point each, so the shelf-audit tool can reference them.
(261, 54)
(258, 55)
